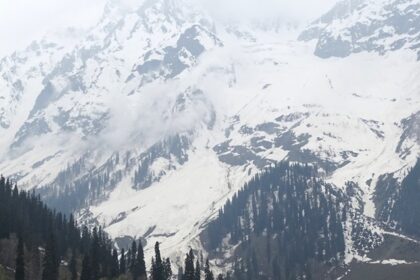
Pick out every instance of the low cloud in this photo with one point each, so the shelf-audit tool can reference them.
(289, 10)
(22, 21)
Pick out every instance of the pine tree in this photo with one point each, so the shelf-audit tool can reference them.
(141, 264)
(167, 269)
(208, 274)
(133, 258)
(86, 269)
(197, 271)
(23, 212)
(114, 264)
(153, 270)
(189, 266)
(158, 264)
(20, 261)
(276, 269)
(51, 262)
(95, 254)
(128, 260)
(180, 273)
(85, 240)
(73, 266)
(122, 262)
(34, 265)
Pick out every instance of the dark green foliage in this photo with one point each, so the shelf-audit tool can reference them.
(51, 261)
(140, 263)
(133, 255)
(24, 214)
(73, 266)
(95, 255)
(98, 250)
(406, 210)
(194, 273)
(153, 274)
(86, 269)
(189, 272)
(283, 219)
(180, 273)
(158, 267)
(70, 191)
(122, 262)
(175, 144)
(158, 259)
(128, 260)
(114, 264)
(20, 261)
(167, 269)
(208, 274)
(197, 271)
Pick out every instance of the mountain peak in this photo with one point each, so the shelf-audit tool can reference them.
(354, 26)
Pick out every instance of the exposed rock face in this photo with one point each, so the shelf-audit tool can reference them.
(159, 115)
(364, 25)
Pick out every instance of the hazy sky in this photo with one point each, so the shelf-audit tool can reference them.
(22, 21)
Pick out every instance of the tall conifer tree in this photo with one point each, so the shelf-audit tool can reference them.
(20, 261)
(114, 264)
(122, 262)
(140, 263)
(86, 269)
(208, 274)
(51, 262)
(197, 271)
(73, 266)
(189, 266)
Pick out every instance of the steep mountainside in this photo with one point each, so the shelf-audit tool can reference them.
(287, 223)
(22, 74)
(376, 26)
(161, 113)
(272, 227)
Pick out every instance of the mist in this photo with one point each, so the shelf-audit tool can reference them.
(300, 11)
(22, 21)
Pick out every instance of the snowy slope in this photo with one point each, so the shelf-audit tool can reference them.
(366, 25)
(22, 73)
(161, 113)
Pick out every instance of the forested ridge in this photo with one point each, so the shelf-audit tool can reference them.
(406, 208)
(39, 243)
(283, 220)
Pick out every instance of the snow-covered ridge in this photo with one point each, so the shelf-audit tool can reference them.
(368, 25)
(161, 113)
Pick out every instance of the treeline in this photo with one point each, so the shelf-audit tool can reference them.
(281, 225)
(39, 243)
(285, 221)
(406, 209)
(170, 147)
(24, 214)
(194, 270)
(72, 190)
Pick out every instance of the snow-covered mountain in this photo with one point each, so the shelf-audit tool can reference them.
(161, 112)
(376, 26)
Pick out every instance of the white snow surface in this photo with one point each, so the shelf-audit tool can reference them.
(351, 108)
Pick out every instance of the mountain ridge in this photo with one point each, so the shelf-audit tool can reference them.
(155, 99)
